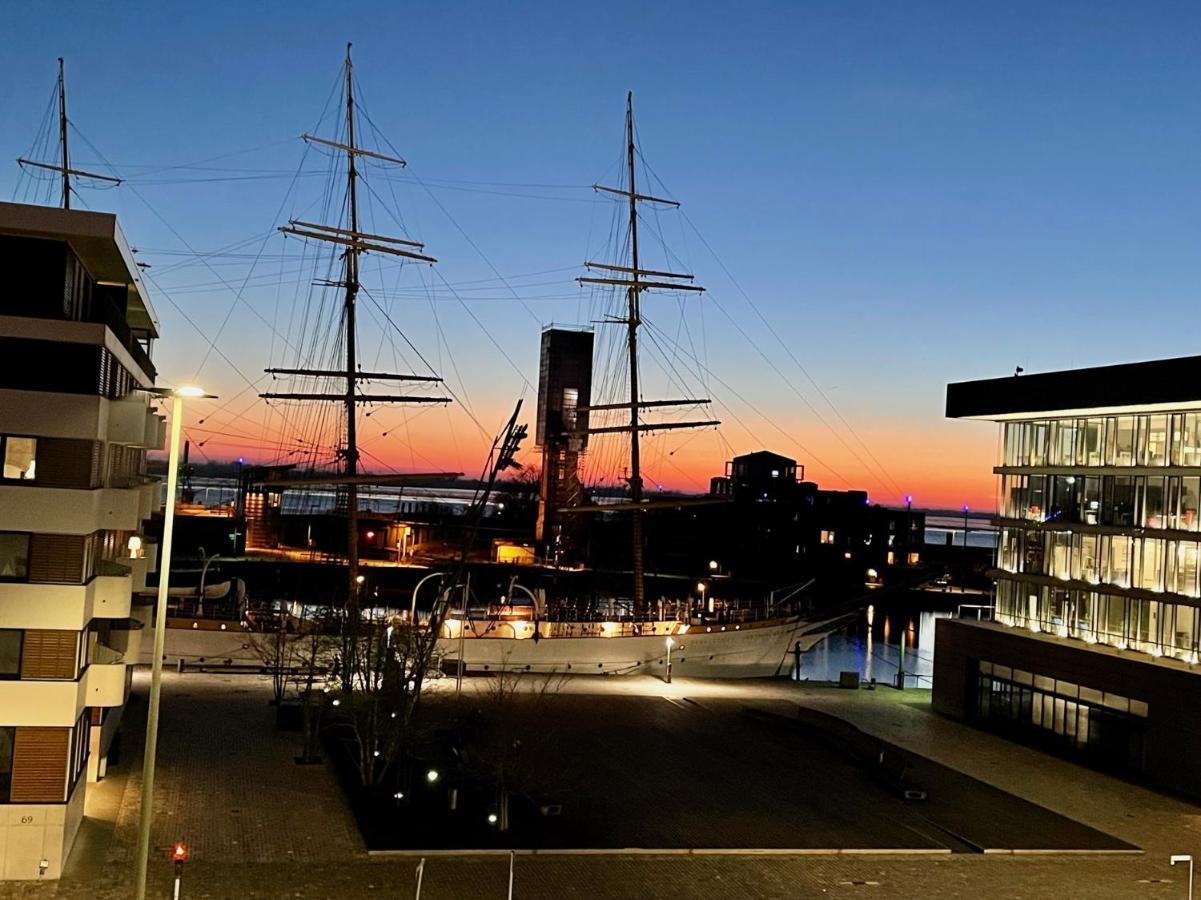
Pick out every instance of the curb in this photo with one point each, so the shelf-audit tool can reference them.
(673, 851)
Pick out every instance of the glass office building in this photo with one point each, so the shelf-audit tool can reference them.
(1096, 633)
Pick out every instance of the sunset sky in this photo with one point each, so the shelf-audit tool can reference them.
(893, 196)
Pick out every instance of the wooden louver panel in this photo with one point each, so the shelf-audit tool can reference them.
(56, 558)
(49, 654)
(64, 462)
(40, 765)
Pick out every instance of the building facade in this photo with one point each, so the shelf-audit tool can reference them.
(1097, 568)
(76, 329)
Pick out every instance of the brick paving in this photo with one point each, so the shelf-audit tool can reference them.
(262, 827)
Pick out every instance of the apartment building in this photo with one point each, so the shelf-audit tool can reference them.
(76, 329)
(1094, 646)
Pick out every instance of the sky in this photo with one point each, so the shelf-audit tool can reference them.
(880, 199)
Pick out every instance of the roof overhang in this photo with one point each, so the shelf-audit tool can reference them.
(1163, 385)
(97, 240)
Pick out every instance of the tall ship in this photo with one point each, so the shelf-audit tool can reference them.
(606, 578)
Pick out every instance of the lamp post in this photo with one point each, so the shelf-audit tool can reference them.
(1186, 858)
(670, 643)
(160, 633)
(700, 587)
(965, 526)
(908, 524)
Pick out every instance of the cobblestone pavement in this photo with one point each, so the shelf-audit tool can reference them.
(262, 827)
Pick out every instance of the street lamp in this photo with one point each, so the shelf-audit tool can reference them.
(712, 565)
(670, 643)
(965, 526)
(1186, 858)
(178, 395)
(700, 587)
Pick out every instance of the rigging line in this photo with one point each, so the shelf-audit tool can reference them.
(181, 238)
(491, 339)
(879, 466)
(476, 248)
(200, 331)
(239, 296)
(770, 421)
(425, 362)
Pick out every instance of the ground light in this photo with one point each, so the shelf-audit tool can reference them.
(160, 629)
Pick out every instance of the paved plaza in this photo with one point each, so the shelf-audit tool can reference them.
(261, 827)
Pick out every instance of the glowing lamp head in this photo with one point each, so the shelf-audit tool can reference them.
(370, 535)
(909, 498)
(712, 565)
(179, 852)
(700, 586)
(671, 642)
(190, 390)
(432, 775)
(491, 818)
(359, 579)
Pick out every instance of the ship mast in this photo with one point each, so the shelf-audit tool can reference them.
(635, 284)
(356, 242)
(63, 167)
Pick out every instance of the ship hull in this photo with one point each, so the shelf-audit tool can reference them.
(754, 650)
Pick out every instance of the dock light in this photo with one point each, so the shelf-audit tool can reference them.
(399, 795)
(712, 565)
(337, 702)
(432, 775)
(491, 818)
(359, 579)
(700, 586)
(370, 535)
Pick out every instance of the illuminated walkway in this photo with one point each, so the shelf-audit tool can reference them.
(261, 827)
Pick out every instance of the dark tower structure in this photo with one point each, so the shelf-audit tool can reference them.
(564, 394)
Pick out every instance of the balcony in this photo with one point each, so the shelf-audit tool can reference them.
(48, 510)
(105, 680)
(105, 312)
(112, 590)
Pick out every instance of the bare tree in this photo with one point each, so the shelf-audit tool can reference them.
(509, 742)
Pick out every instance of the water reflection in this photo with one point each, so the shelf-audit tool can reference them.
(872, 646)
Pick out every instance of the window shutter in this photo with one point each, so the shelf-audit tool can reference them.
(49, 654)
(40, 765)
(56, 558)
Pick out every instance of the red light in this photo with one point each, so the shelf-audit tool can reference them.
(370, 535)
(179, 852)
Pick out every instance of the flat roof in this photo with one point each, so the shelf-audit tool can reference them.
(1154, 386)
(97, 240)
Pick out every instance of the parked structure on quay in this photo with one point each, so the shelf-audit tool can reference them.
(1094, 646)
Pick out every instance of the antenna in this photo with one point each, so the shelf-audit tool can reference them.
(64, 165)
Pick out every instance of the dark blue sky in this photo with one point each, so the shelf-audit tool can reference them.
(912, 193)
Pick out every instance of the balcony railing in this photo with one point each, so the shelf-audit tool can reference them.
(105, 312)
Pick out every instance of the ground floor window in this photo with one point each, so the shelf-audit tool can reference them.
(1105, 728)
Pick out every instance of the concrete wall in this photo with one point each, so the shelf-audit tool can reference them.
(31, 832)
(1171, 689)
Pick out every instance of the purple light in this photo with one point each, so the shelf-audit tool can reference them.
(909, 498)
(965, 507)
